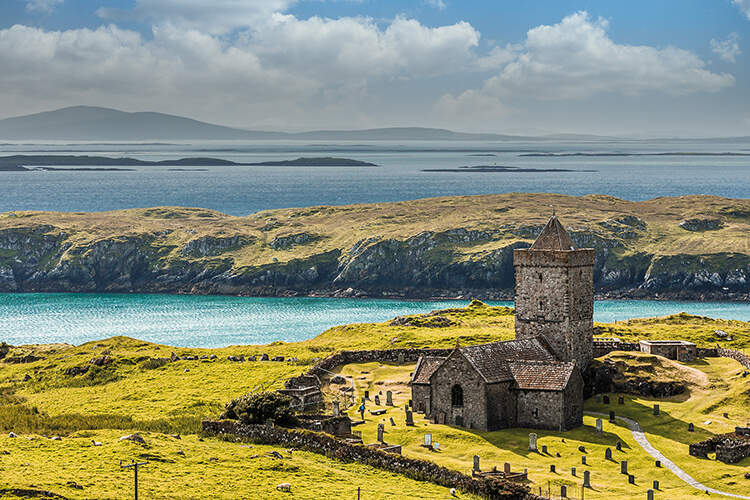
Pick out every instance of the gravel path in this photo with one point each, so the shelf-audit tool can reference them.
(640, 438)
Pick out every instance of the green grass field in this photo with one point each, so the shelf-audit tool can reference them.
(135, 393)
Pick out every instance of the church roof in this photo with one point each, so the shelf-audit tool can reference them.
(426, 366)
(492, 360)
(541, 375)
(553, 237)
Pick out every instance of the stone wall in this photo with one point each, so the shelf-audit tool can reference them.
(729, 448)
(421, 470)
(326, 365)
(602, 348)
(539, 409)
(738, 356)
(336, 426)
(473, 412)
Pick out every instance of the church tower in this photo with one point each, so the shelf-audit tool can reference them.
(555, 293)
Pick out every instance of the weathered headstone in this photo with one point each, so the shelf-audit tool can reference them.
(336, 409)
(658, 463)
(572, 471)
(367, 394)
(377, 400)
(506, 467)
(411, 404)
(608, 454)
(583, 459)
(532, 442)
(631, 479)
(656, 410)
(612, 417)
(691, 427)
(726, 415)
(650, 495)
(389, 398)
(620, 400)
(605, 399)
(428, 439)
(563, 491)
(586, 479)
(381, 429)
(476, 463)
(552, 468)
(624, 467)
(598, 398)
(656, 485)
(544, 449)
(409, 418)
(618, 445)
(436, 445)
(393, 422)
(599, 426)
(401, 358)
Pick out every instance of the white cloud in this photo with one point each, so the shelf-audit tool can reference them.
(576, 59)
(438, 4)
(744, 6)
(728, 49)
(44, 6)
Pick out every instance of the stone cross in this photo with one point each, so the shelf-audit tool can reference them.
(583, 459)
(606, 399)
(620, 400)
(612, 417)
(381, 429)
(389, 398)
(377, 400)
(532, 442)
(631, 479)
(506, 468)
(656, 410)
(573, 471)
(409, 418)
(624, 467)
(598, 398)
(608, 454)
(586, 479)
(428, 439)
(691, 427)
(563, 491)
(599, 426)
(476, 463)
(650, 495)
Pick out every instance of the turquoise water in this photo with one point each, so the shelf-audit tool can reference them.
(214, 321)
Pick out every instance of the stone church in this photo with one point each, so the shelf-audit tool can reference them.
(534, 381)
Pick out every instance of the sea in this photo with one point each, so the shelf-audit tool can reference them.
(629, 169)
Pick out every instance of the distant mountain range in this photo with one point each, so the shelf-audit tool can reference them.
(88, 123)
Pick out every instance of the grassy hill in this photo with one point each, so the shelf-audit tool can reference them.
(690, 246)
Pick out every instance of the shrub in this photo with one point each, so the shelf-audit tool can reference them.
(258, 408)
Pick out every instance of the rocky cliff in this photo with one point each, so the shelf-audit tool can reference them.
(686, 247)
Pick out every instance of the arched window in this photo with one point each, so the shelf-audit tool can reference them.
(457, 396)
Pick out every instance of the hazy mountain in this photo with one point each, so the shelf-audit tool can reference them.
(87, 123)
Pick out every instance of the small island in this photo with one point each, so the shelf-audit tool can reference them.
(501, 169)
(327, 161)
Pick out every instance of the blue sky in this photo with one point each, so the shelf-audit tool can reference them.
(668, 67)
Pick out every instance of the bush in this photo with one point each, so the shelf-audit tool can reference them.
(258, 408)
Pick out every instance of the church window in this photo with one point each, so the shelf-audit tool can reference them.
(457, 396)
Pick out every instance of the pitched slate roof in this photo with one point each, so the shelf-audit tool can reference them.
(541, 375)
(553, 237)
(492, 360)
(426, 366)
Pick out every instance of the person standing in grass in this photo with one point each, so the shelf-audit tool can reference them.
(362, 410)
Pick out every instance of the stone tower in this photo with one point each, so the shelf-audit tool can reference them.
(555, 293)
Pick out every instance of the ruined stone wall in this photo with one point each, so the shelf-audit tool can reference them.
(421, 470)
(340, 358)
(573, 402)
(501, 406)
(738, 356)
(539, 409)
(604, 348)
(730, 448)
(473, 413)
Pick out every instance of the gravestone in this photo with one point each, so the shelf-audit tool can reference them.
(572, 471)
(436, 445)
(411, 404)
(393, 422)
(583, 459)
(389, 398)
(691, 427)
(605, 398)
(506, 467)
(409, 418)
(631, 479)
(598, 398)
(618, 445)
(624, 467)
(336, 409)
(608, 454)
(620, 400)
(656, 485)
(599, 426)
(544, 449)
(656, 410)
(381, 429)
(658, 463)
(586, 479)
(476, 463)
(367, 394)
(726, 415)
(441, 418)
(428, 439)
(612, 417)
(552, 468)
(563, 491)
(377, 400)
(650, 495)
(532, 442)
(401, 358)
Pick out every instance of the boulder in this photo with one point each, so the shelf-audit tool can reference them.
(701, 224)
(277, 358)
(101, 360)
(136, 438)
(174, 357)
(12, 435)
(338, 379)
(264, 357)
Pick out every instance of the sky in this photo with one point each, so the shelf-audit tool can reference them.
(633, 68)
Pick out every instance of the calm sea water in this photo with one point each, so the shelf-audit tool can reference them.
(200, 321)
(243, 190)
